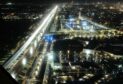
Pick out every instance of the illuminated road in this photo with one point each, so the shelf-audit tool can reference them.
(93, 23)
(50, 58)
(41, 29)
(39, 66)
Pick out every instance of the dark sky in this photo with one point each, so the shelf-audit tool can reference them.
(56, 0)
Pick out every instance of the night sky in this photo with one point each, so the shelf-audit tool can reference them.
(58, 0)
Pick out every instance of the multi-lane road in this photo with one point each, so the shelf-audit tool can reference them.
(41, 29)
(21, 56)
(81, 17)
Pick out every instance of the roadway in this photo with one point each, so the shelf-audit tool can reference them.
(48, 64)
(39, 65)
(44, 24)
(93, 23)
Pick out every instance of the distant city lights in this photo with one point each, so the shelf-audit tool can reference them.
(9, 3)
(84, 23)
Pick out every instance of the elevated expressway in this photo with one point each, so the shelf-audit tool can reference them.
(20, 57)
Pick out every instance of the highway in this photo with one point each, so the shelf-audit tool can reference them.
(39, 64)
(41, 29)
(49, 63)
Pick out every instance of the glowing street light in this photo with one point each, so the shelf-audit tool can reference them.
(50, 57)
(31, 50)
(68, 51)
(35, 43)
(120, 66)
(24, 61)
(71, 19)
(13, 75)
(9, 3)
(38, 67)
(36, 72)
(86, 42)
(87, 53)
(39, 38)
(84, 23)
(73, 67)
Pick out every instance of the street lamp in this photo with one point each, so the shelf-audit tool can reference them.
(88, 52)
(24, 61)
(120, 66)
(13, 75)
(39, 37)
(50, 59)
(31, 51)
(50, 56)
(35, 43)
